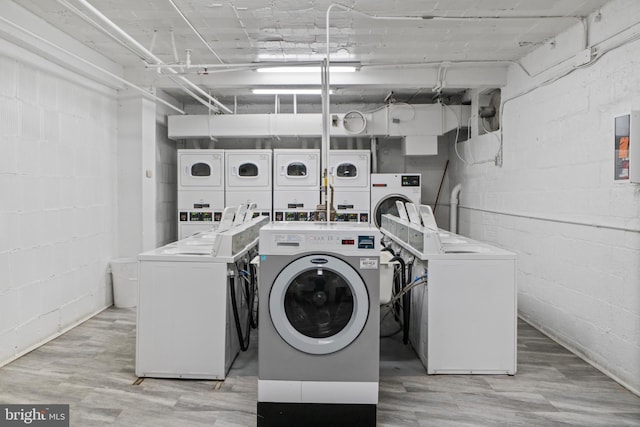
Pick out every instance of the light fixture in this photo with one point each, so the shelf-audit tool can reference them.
(305, 69)
(286, 91)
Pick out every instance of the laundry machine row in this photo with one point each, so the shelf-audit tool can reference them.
(285, 182)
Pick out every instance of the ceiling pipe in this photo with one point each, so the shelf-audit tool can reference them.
(92, 65)
(97, 25)
(149, 54)
(326, 83)
(195, 31)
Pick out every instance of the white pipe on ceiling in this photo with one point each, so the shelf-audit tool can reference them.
(196, 32)
(149, 54)
(92, 65)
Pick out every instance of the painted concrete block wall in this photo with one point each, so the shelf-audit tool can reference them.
(555, 203)
(166, 187)
(57, 202)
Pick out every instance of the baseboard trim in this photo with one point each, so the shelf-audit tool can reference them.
(54, 336)
(546, 332)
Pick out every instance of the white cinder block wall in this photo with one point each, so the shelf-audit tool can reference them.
(578, 283)
(57, 202)
(167, 187)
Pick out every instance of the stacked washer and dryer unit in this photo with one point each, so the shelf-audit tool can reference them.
(319, 320)
(296, 184)
(249, 180)
(201, 197)
(349, 172)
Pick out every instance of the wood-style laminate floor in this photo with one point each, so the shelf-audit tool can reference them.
(92, 368)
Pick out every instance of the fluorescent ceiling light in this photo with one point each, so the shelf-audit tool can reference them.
(304, 69)
(284, 91)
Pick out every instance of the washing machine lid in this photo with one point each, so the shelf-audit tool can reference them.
(319, 304)
(387, 205)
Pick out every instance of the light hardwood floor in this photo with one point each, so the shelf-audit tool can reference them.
(92, 368)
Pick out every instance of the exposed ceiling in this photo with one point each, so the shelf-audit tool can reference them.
(250, 31)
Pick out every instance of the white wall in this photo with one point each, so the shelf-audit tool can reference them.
(166, 187)
(57, 200)
(555, 203)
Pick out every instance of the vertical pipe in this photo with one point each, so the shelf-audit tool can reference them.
(374, 154)
(326, 129)
(453, 213)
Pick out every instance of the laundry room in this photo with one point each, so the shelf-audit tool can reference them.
(284, 213)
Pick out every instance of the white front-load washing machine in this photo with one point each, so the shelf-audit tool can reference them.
(319, 319)
(248, 179)
(349, 175)
(388, 188)
(200, 190)
(296, 184)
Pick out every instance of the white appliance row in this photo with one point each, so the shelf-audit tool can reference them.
(285, 185)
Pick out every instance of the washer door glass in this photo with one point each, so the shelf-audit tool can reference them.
(388, 206)
(296, 169)
(200, 169)
(319, 304)
(347, 170)
(248, 170)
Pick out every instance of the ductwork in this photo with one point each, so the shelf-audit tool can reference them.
(424, 122)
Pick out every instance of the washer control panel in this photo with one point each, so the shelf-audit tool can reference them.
(410, 180)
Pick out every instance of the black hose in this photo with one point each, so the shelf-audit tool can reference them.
(406, 308)
(252, 283)
(388, 249)
(402, 282)
(243, 339)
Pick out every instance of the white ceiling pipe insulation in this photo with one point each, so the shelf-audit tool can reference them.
(149, 54)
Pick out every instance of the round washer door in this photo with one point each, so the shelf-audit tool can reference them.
(319, 304)
(388, 206)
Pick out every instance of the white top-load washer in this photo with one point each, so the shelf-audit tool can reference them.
(465, 320)
(319, 322)
(388, 188)
(296, 184)
(186, 325)
(200, 190)
(248, 179)
(349, 175)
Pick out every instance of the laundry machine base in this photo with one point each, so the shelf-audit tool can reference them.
(279, 414)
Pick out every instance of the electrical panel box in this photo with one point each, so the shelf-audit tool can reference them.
(627, 148)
